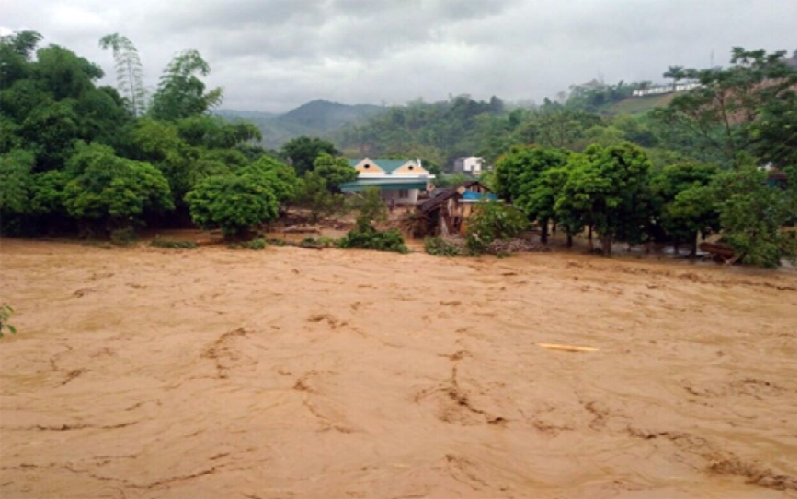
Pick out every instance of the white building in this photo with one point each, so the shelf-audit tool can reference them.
(399, 180)
(471, 165)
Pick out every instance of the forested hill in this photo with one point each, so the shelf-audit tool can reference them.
(315, 118)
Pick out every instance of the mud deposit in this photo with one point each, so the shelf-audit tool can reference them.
(290, 373)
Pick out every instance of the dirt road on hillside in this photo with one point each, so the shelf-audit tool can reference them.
(290, 373)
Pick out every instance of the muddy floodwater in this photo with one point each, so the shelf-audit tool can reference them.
(294, 373)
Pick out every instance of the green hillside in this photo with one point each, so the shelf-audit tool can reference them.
(639, 105)
(316, 118)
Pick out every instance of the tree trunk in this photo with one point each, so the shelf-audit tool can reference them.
(591, 246)
(544, 236)
(606, 245)
(693, 249)
(570, 240)
(676, 248)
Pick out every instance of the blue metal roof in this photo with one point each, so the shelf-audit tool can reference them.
(478, 196)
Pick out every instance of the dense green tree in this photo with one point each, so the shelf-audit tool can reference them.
(435, 132)
(724, 115)
(281, 177)
(752, 215)
(685, 204)
(562, 128)
(314, 195)
(15, 181)
(235, 203)
(491, 221)
(774, 134)
(335, 171)
(15, 53)
(522, 178)
(51, 107)
(214, 132)
(606, 188)
(48, 103)
(181, 93)
(110, 190)
(301, 152)
(47, 194)
(159, 143)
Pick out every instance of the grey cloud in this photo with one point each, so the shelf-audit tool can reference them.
(275, 54)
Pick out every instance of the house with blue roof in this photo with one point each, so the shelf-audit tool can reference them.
(399, 180)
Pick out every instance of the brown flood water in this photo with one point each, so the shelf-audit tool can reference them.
(291, 373)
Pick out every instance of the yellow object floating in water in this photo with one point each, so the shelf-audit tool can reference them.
(566, 348)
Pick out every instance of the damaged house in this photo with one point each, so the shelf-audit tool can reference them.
(447, 211)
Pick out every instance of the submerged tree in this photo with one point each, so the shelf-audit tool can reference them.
(606, 188)
(129, 71)
(753, 213)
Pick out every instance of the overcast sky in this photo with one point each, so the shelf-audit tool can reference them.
(272, 55)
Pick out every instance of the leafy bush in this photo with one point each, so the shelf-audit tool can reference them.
(493, 220)
(441, 247)
(159, 242)
(335, 171)
(321, 242)
(113, 189)
(234, 203)
(256, 244)
(371, 206)
(370, 238)
(313, 193)
(752, 215)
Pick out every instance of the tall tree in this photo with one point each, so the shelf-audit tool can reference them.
(676, 73)
(181, 93)
(522, 175)
(234, 203)
(724, 114)
(685, 203)
(15, 52)
(303, 151)
(111, 190)
(605, 188)
(335, 171)
(129, 71)
(753, 213)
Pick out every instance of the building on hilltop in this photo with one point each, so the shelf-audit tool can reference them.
(666, 89)
(399, 180)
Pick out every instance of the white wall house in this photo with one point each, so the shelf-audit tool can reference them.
(399, 180)
(472, 165)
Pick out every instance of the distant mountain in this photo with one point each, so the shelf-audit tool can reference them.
(327, 116)
(248, 115)
(316, 118)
